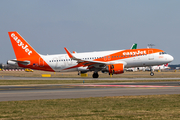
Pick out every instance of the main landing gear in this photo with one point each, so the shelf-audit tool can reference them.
(95, 75)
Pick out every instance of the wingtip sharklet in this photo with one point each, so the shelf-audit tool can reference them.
(67, 51)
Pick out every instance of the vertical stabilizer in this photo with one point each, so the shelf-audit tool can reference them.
(166, 65)
(134, 46)
(21, 48)
(26, 56)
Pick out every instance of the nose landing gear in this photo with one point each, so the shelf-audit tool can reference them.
(152, 74)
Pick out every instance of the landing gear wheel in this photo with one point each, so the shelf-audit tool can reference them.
(95, 75)
(152, 74)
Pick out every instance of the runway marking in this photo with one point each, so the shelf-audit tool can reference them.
(141, 86)
(77, 91)
(58, 91)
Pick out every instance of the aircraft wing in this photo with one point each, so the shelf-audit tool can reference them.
(96, 65)
(83, 62)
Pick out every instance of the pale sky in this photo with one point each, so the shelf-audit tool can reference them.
(90, 25)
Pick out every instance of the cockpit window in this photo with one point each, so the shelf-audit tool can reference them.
(162, 53)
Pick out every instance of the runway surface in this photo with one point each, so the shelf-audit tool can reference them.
(81, 78)
(35, 92)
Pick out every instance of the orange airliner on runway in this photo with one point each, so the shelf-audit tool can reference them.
(112, 62)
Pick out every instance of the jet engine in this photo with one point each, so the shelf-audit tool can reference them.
(116, 68)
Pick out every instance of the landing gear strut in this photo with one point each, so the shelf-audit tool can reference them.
(95, 75)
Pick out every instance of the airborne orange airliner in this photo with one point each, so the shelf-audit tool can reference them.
(112, 62)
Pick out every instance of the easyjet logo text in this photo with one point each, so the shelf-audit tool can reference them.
(21, 44)
(134, 52)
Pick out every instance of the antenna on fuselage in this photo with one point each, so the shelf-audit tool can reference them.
(150, 45)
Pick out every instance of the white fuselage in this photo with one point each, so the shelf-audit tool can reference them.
(60, 62)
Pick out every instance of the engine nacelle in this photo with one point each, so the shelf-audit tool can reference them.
(116, 69)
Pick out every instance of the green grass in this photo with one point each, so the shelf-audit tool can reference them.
(33, 82)
(166, 107)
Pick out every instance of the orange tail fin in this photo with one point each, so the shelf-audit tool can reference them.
(21, 48)
(26, 54)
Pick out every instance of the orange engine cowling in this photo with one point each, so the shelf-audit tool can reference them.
(116, 69)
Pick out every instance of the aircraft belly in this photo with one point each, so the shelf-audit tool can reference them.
(64, 65)
(134, 62)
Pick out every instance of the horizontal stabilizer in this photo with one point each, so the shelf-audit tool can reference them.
(15, 62)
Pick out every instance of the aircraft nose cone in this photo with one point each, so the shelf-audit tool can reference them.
(170, 58)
